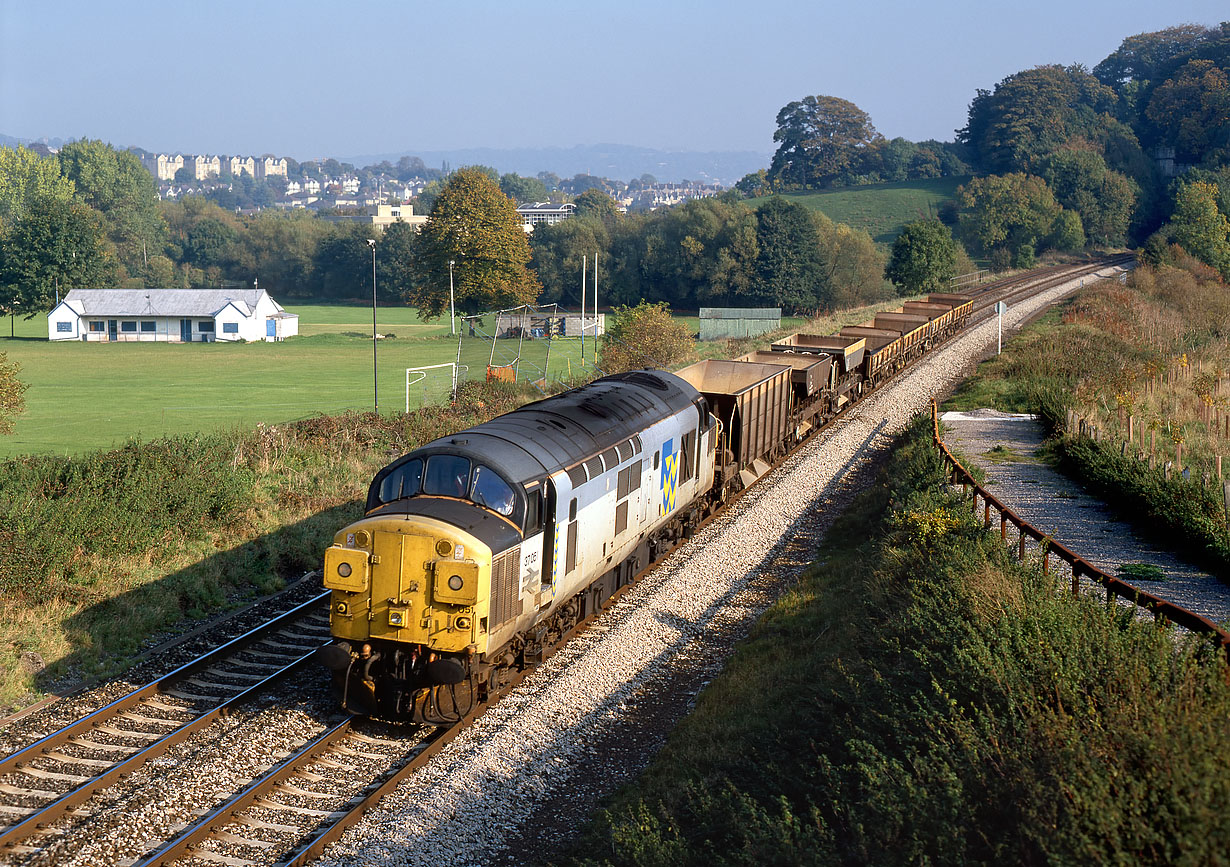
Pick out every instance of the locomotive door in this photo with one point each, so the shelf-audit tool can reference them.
(548, 534)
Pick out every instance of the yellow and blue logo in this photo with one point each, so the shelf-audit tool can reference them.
(670, 475)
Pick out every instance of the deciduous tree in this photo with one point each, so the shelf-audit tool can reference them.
(1033, 113)
(56, 244)
(1103, 198)
(114, 183)
(923, 258)
(1006, 212)
(26, 177)
(1192, 110)
(819, 138)
(477, 227)
(791, 270)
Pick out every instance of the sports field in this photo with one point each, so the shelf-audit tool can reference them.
(85, 396)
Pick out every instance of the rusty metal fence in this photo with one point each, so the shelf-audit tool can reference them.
(1164, 612)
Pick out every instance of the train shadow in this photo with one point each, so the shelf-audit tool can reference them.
(121, 631)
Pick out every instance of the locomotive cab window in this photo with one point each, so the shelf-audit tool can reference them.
(492, 492)
(533, 510)
(402, 482)
(446, 476)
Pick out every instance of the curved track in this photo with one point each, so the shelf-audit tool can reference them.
(54, 776)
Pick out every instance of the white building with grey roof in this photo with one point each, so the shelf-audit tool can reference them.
(170, 315)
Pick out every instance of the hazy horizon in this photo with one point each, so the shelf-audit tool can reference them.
(309, 79)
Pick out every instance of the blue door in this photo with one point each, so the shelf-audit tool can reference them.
(185, 330)
(270, 329)
(111, 330)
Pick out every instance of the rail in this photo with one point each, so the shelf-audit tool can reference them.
(1164, 612)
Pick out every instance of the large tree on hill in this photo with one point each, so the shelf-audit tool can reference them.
(1142, 57)
(923, 258)
(1199, 226)
(115, 184)
(820, 138)
(477, 227)
(1033, 113)
(1191, 111)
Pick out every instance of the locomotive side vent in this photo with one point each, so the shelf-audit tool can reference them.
(505, 602)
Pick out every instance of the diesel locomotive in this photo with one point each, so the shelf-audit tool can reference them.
(477, 552)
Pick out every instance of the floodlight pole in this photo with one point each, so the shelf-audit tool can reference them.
(375, 383)
(452, 307)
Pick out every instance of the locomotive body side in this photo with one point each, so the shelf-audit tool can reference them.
(478, 547)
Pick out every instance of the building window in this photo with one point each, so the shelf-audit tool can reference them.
(96, 326)
(230, 327)
(128, 326)
(64, 327)
(148, 326)
(205, 327)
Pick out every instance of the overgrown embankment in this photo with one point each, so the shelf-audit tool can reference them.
(105, 549)
(923, 698)
(1133, 384)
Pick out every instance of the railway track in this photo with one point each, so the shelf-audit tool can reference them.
(53, 777)
(290, 814)
(269, 823)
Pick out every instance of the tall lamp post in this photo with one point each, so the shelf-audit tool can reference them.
(452, 307)
(375, 387)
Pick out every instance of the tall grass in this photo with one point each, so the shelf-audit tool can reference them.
(923, 698)
(106, 549)
(1147, 362)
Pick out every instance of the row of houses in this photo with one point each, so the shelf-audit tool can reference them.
(170, 316)
(164, 167)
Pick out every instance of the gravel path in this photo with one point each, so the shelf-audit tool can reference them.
(523, 778)
(1004, 445)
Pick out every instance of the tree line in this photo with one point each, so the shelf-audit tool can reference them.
(1135, 151)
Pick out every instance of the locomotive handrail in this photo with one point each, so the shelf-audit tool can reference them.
(1162, 610)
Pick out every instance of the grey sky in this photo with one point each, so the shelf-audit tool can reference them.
(311, 79)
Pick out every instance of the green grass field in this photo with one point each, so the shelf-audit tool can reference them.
(85, 396)
(882, 210)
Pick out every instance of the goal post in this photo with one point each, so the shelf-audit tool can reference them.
(436, 378)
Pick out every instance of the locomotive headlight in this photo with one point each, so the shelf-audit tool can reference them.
(444, 547)
(342, 608)
(455, 583)
(343, 569)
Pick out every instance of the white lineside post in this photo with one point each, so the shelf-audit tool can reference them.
(1000, 308)
(583, 264)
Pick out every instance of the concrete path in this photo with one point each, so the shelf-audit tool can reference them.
(1004, 445)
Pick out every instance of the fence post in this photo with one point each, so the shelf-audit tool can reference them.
(1003, 527)
(1021, 544)
(1219, 467)
(986, 512)
(1178, 457)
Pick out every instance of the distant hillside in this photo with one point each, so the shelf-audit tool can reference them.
(882, 209)
(622, 162)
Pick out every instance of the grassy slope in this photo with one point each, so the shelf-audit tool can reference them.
(882, 210)
(920, 698)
